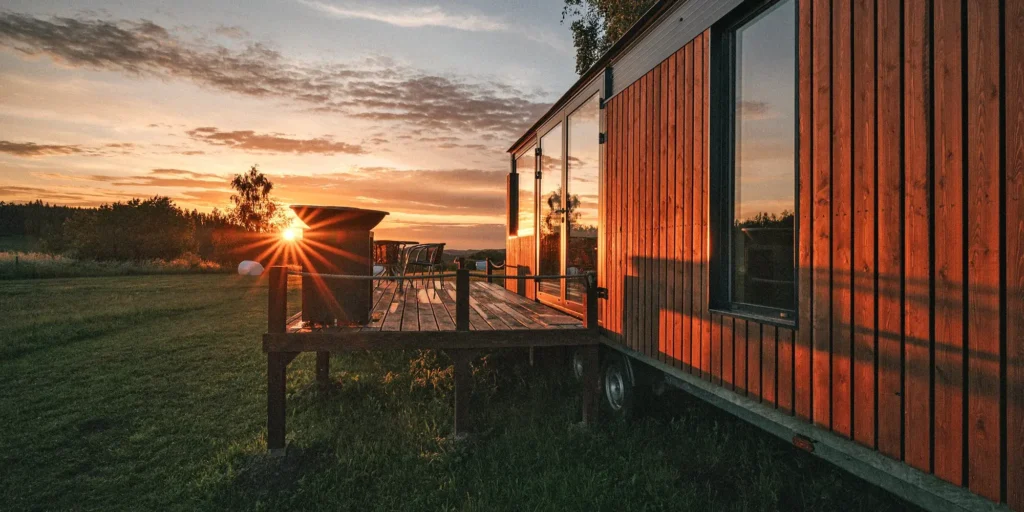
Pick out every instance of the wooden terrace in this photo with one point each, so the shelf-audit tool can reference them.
(460, 316)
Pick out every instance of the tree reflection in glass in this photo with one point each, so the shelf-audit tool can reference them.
(551, 210)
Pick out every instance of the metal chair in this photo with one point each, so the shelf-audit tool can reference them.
(425, 256)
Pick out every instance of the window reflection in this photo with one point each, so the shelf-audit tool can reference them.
(551, 209)
(525, 167)
(584, 153)
(765, 160)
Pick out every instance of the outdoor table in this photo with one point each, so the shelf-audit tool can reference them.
(388, 254)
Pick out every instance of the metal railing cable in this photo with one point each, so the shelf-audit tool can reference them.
(433, 276)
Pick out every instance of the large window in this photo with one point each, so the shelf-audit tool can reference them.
(754, 122)
(525, 167)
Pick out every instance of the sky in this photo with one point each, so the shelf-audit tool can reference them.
(405, 106)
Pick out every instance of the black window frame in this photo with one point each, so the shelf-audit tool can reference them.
(723, 168)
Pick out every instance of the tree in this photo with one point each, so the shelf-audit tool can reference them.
(597, 24)
(252, 207)
(135, 230)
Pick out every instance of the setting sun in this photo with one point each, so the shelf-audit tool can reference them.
(291, 234)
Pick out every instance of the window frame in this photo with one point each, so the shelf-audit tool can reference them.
(723, 167)
(530, 147)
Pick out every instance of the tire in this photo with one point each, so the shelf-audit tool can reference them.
(577, 365)
(618, 392)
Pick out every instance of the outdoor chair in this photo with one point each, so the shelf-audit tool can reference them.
(426, 258)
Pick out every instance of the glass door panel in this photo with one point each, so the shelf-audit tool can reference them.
(582, 193)
(526, 167)
(551, 214)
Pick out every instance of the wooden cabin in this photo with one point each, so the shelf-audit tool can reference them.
(810, 213)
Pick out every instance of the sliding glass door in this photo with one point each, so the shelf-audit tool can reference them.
(567, 211)
(582, 168)
(551, 214)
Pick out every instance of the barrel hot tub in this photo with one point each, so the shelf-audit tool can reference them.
(339, 241)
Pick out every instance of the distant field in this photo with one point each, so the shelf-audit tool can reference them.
(147, 393)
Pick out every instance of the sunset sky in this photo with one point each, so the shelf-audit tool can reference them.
(402, 106)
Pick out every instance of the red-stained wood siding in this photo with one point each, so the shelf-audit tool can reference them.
(520, 259)
(910, 190)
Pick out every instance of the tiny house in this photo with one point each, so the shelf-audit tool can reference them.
(810, 213)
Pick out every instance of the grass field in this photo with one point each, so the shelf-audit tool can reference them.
(148, 392)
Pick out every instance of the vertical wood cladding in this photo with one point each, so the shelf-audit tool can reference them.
(910, 185)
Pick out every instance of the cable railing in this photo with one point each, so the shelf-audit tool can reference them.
(278, 283)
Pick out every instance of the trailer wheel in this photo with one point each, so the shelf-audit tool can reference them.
(577, 365)
(618, 390)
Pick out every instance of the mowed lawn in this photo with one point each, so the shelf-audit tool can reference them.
(148, 392)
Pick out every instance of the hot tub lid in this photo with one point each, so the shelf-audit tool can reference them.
(338, 217)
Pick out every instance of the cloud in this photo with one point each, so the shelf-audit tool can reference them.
(252, 141)
(443, 192)
(232, 32)
(410, 16)
(374, 89)
(756, 110)
(31, 149)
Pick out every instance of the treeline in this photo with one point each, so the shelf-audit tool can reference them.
(135, 230)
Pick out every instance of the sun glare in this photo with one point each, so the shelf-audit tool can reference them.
(290, 234)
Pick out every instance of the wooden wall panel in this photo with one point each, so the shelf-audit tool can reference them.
(842, 215)
(686, 170)
(949, 255)
(1014, 243)
(864, 227)
(820, 321)
(889, 326)
(803, 349)
(983, 285)
(917, 234)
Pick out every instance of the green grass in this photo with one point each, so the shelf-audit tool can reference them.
(37, 265)
(148, 393)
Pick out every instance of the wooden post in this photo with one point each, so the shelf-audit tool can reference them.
(276, 370)
(462, 300)
(591, 318)
(591, 356)
(277, 362)
(277, 301)
(520, 281)
(323, 370)
(490, 271)
(462, 376)
(591, 383)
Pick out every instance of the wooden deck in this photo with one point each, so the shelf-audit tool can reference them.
(427, 306)
(461, 318)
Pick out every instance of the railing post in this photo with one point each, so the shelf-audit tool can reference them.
(277, 302)
(462, 299)
(490, 271)
(591, 319)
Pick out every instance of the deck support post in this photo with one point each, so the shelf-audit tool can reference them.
(462, 376)
(277, 362)
(461, 358)
(490, 271)
(276, 369)
(591, 357)
(323, 370)
(591, 383)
